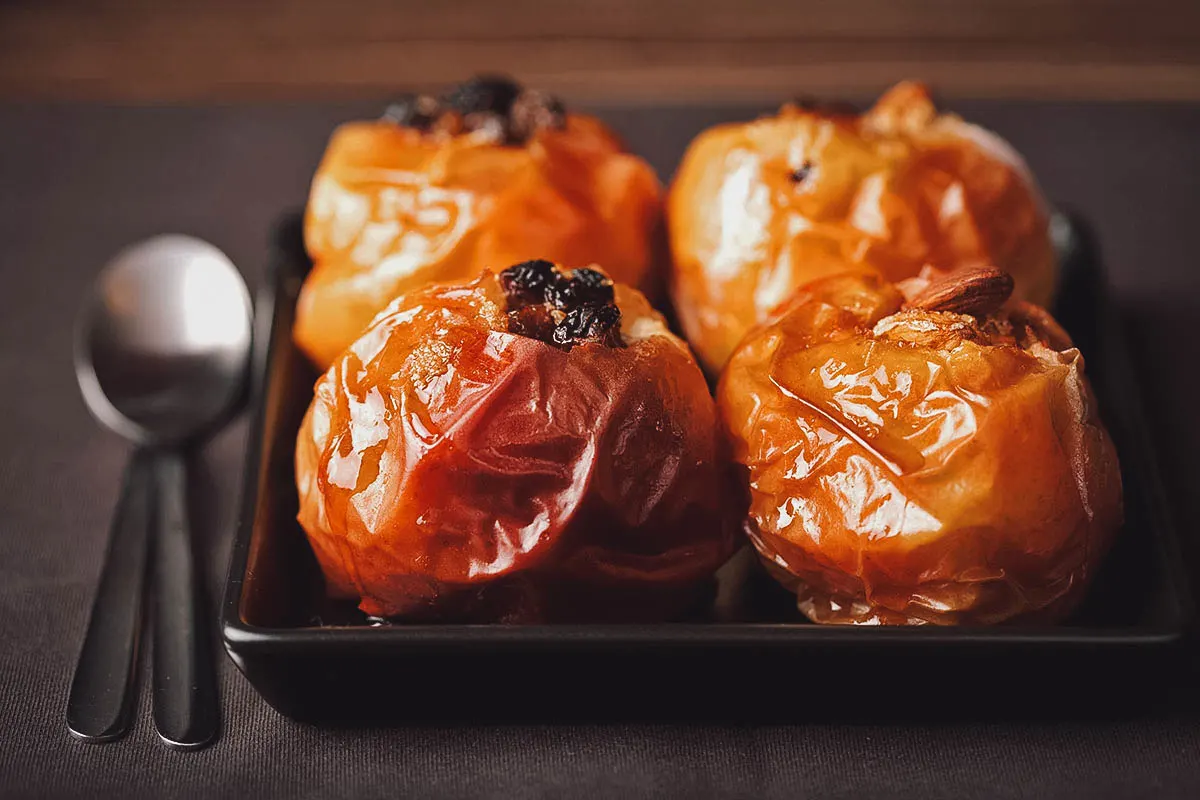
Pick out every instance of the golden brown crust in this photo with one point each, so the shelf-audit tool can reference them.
(449, 469)
(759, 209)
(393, 208)
(913, 466)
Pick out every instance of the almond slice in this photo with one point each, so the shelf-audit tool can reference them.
(977, 291)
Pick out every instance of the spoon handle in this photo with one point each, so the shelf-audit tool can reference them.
(185, 705)
(100, 705)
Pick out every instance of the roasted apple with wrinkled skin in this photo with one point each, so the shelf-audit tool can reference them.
(761, 208)
(439, 190)
(530, 446)
(935, 459)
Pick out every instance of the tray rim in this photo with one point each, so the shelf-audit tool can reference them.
(241, 638)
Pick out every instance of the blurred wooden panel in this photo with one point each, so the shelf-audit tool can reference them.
(606, 49)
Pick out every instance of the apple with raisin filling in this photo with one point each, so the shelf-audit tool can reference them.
(534, 445)
(440, 189)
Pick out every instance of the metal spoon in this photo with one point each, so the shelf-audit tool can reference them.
(161, 354)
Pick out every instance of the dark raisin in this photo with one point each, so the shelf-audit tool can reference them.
(414, 111)
(492, 104)
(572, 326)
(484, 93)
(526, 282)
(591, 286)
(560, 293)
(832, 108)
(558, 308)
(588, 323)
(606, 325)
(583, 287)
(532, 111)
(801, 174)
(532, 321)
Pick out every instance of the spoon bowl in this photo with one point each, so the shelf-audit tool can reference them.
(164, 340)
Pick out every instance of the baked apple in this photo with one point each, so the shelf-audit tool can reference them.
(530, 446)
(440, 189)
(922, 453)
(761, 208)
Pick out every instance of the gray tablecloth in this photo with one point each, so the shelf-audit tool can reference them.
(78, 182)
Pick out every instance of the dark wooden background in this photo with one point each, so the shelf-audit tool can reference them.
(641, 50)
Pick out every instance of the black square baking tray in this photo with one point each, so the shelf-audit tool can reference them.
(748, 654)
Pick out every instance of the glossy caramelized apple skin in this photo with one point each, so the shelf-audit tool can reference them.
(394, 207)
(913, 466)
(761, 208)
(451, 470)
